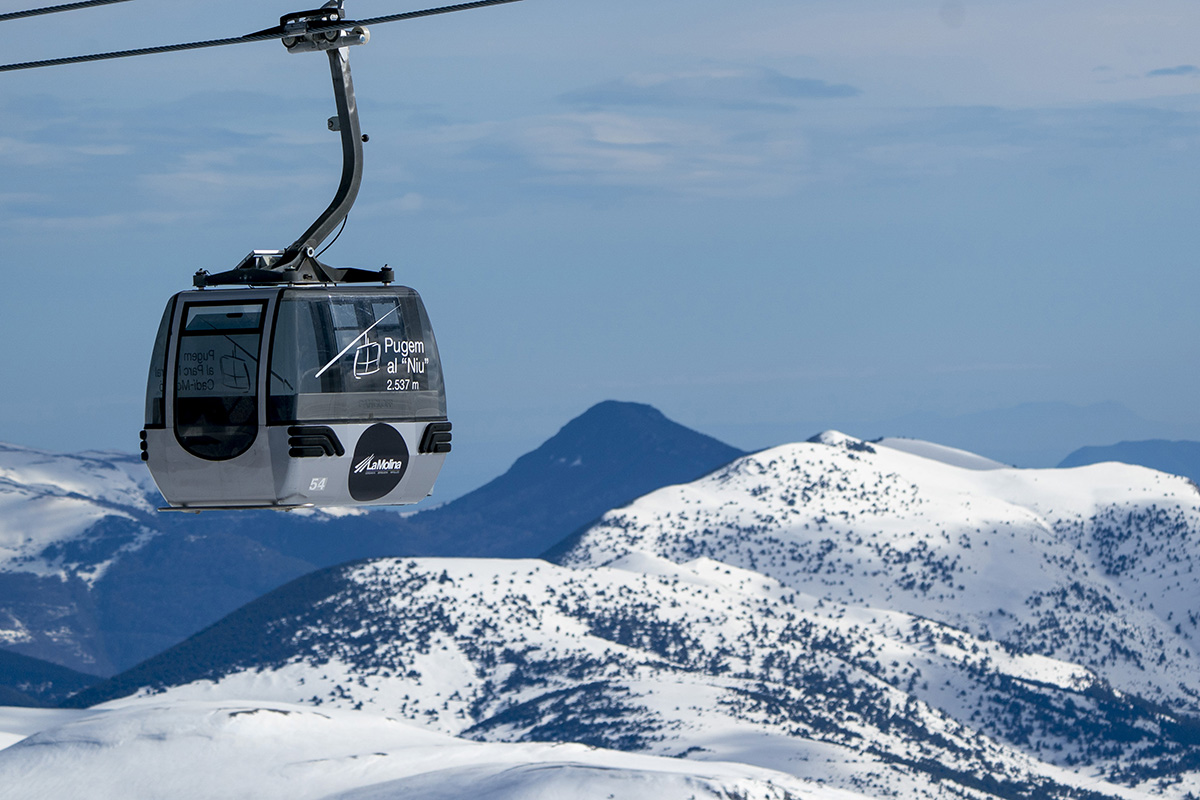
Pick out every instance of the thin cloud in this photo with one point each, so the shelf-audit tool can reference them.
(655, 154)
(1182, 69)
(22, 198)
(736, 89)
(98, 222)
(632, 151)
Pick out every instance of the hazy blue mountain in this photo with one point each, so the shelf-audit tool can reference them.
(26, 681)
(608, 456)
(92, 577)
(1177, 458)
(1025, 435)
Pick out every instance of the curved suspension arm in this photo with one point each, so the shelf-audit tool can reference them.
(352, 157)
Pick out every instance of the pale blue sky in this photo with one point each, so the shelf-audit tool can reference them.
(755, 216)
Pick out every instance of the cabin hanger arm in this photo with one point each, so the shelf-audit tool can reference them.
(309, 31)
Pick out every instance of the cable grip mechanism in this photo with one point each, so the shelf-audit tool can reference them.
(316, 30)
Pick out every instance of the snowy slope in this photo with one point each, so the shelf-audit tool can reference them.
(1095, 565)
(93, 579)
(18, 722)
(65, 521)
(917, 447)
(701, 660)
(49, 501)
(884, 621)
(262, 751)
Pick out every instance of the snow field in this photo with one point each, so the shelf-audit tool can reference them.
(184, 749)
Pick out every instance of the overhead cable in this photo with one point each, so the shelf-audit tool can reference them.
(34, 12)
(260, 36)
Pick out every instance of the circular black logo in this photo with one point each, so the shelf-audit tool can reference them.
(380, 459)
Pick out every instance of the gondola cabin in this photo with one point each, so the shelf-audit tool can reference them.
(299, 388)
(295, 396)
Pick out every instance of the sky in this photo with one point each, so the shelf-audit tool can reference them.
(764, 218)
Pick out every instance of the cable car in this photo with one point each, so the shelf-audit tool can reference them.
(302, 386)
(295, 396)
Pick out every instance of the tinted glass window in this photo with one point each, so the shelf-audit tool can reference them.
(232, 317)
(216, 378)
(361, 355)
(156, 382)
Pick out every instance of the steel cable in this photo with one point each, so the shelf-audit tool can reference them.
(34, 12)
(261, 36)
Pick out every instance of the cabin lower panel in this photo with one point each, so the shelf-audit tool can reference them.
(379, 464)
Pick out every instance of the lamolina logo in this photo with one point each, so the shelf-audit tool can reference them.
(370, 464)
(380, 461)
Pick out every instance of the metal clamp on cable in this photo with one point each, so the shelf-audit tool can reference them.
(314, 31)
(327, 40)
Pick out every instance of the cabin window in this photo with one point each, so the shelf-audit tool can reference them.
(156, 381)
(216, 378)
(367, 355)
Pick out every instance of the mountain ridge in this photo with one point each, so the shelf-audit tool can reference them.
(91, 577)
(804, 608)
(32, 682)
(1178, 457)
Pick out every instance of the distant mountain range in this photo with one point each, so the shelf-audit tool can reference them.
(1028, 434)
(1024, 435)
(93, 578)
(1177, 458)
(888, 618)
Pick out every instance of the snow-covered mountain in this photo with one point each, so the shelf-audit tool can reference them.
(606, 457)
(93, 578)
(892, 619)
(65, 520)
(1094, 565)
(51, 507)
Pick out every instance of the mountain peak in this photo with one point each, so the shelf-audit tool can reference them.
(606, 457)
(615, 429)
(620, 409)
(84, 558)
